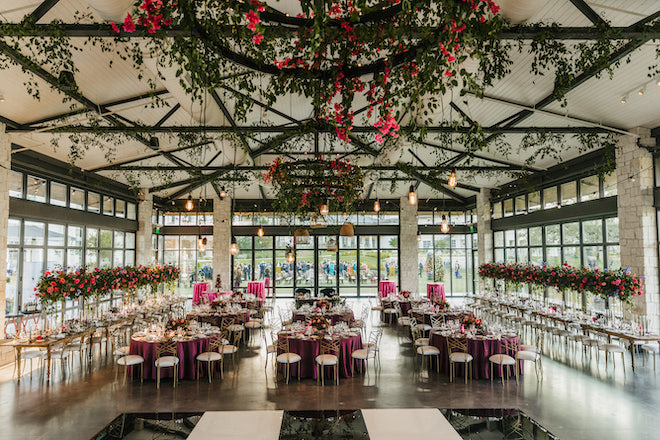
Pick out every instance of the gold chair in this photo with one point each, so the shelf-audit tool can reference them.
(504, 358)
(458, 353)
(211, 356)
(329, 357)
(167, 357)
(286, 357)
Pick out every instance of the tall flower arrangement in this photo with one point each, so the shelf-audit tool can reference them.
(302, 187)
(618, 283)
(58, 285)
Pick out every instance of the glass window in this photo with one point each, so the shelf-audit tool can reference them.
(75, 236)
(456, 218)
(523, 255)
(93, 202)
(55, 259)
(592, 231)
(106, 238)
(550, 198)
(11, 293)
(105, 258)
(388, 242)
(32, 268)
(610, 185)
(612, 228)
(207, 219)
(282, 242)
(188, 219)
(593, 257)
(129, 259)
(388, 219)
(498, 238)
(534, 200)
(536, 236)
(131, 211)
(425, 218)
(120, 208)
(118, 258)
(499, 255)
(572, 256)
(171, 219)
(91, 258)
(34, 233)
(536, 255)
(119, 240)
(76, 198)
(571, 233)
(613, 257)
(553, 256)
(14, 232)
(15, 184)
(56, 235)
(521, 205)
(242, 219)
(508, 207)
(589, 189)
(569, 193)
(108, 205)
(36, 189)
(130, 241)
(92, 237)
(57, 194)
(263, 242)
(552, 235)
(521, 237)
(510, 238)
(74, 258)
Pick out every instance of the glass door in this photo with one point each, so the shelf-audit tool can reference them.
(327, 265)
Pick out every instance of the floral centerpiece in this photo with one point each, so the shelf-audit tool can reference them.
(442, 305)
(472, 321)
(218, 282)
(323, 304)
(302, 187)
(219, 304)
(237, 294)
(319, 322)
(176, 324)
(405, 294)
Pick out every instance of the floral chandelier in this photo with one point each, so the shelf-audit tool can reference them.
(303, 187)
(391, 55)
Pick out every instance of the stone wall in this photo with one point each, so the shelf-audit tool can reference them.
(222, 241)
(484, 230)
(143, 241)
(637, 221)
(408, 246)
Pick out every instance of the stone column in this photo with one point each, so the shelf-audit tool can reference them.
(5, 166)
(222, 241)
(484, 233)
(637, 221)
(408, 266)
(143, 241)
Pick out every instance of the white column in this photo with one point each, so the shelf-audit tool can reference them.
(222, 241)
(5, 166)
(484, 230)
(637, 220)
(143, 239)
(408, 246)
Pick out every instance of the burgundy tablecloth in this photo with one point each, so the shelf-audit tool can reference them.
(435, 291)
(386, 287)
(257, 289)
(308, 349)
(216, 318)
(198, 289)
(187, 351)
(334, 317)
(480, 349)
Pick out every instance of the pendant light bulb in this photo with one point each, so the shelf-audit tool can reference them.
(234, 247)
(324, 210)
(223, 193)
(444, 226)
(260, 231)
(376, 206)
(452, 179)
(201, 245)
(290, 255)
(189, 203)
(412, 195)
(419, 237)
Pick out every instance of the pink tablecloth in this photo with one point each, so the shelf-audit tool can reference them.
(198, 289)
(186, 352)
(480, 349)
(386, 287)
(435, 291)
(308, 349)
(257, 289)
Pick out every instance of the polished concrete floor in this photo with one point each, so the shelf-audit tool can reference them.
(575, 400)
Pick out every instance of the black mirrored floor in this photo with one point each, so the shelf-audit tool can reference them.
(496, 424)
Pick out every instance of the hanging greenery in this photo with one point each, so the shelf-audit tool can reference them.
(301, 187)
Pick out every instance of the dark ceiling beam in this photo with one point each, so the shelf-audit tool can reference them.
(479, 156)
(291, 128)
(200, 181)
(80, 30)
(43, 9)
(461, 112)
(231, 121)
(168, 115)
(262, 105)
(9, 123)
(108, 104)
(434, 184)
(266, 167)
(589, 13)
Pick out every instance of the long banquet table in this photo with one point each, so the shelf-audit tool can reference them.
(310, 347)
(333, 317)
(480, 349)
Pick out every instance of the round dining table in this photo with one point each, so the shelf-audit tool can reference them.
(187, 351)
(481, 348)
(308, 347)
